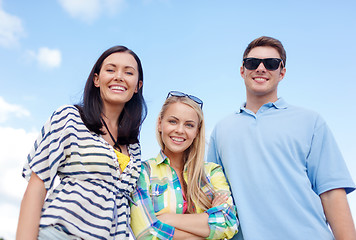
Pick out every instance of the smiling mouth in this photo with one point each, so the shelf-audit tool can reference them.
(178, 139)
(259, 79)
(118, 88)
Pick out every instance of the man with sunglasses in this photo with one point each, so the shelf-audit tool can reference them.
(286, 173)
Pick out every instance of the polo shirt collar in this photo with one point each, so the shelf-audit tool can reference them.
(279, 104)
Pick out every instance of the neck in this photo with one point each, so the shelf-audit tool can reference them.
(176, 161)
(111, 115)
(254, 103)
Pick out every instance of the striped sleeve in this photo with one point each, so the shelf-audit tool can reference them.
(144, 222)
(49, 150)
(222, 220)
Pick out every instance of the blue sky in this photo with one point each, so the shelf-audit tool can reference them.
(47, 49)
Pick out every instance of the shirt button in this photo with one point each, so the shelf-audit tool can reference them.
(178, 188)
(180, 205)
(225, 205)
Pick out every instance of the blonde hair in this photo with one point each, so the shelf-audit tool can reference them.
(193, 157)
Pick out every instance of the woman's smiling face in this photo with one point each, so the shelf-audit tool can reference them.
(117, 79)
(178, 128)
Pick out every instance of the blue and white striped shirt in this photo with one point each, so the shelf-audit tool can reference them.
(92, 199)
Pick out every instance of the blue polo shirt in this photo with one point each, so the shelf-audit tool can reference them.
(278, 161)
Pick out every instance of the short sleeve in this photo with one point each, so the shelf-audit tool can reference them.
(49, 149)
(222, 220)
(213, 155)
(144, 222)
(326, 167)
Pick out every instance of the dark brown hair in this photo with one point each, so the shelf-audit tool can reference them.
(134, 112)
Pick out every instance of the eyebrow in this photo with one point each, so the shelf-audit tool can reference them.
(188, 121)
(114, 65)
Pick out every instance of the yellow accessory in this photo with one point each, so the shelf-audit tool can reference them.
(122, 159)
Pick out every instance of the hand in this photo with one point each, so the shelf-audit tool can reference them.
(220, 198)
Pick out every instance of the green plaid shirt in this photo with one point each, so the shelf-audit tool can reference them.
(159, 191)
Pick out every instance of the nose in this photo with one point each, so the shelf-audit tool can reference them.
(261, 68)
(179, 128)
(119, 76)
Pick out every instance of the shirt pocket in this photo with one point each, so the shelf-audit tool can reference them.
(158, 193)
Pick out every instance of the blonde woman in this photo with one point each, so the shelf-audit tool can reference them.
(179, 196)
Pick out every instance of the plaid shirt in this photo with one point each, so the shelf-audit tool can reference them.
(159, 191)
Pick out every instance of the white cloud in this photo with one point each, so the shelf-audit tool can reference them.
(13, 152)
(7, 110)
(8, 224)
(46, 58)
(11, 29)
(49, 57)
(89, 10)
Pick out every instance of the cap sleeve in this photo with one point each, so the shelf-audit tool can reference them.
(48, 151)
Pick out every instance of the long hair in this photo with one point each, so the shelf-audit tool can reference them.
(267, 42)
(193, 157)
(133, 113)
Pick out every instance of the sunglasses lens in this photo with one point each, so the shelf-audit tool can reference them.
(180, 94)
(195, 99)
(271, 63)
(176, 94)
(252, 63)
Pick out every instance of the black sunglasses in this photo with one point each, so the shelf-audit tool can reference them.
(180, 94)
(270, 64)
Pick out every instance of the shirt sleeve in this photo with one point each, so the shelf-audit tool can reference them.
(222, 221)
(144, 222)
(213, 155)
(48, 151)
(326, 167)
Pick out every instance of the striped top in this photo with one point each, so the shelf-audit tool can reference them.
(159, 191)
(92, 199)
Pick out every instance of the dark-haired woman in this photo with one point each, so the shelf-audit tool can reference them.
(94, 149)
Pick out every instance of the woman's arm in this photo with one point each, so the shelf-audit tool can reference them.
(196, 224)
(31, 207)
(337, 212)
(181, 235)
(144, 222)
(222, 221)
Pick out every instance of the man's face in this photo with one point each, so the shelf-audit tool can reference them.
(262, 82)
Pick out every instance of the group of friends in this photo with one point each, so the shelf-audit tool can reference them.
(272, 170)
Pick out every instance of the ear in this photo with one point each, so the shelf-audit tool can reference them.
(282, 74)
(139, 85)
(242, 72)
(96, 80)
(159, 122)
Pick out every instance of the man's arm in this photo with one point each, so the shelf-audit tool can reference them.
(338, 214)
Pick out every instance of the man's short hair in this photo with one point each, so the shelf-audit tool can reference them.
(267, 42)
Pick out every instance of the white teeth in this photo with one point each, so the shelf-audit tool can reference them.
(260, 79)
(177, 139)
(118, 88)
